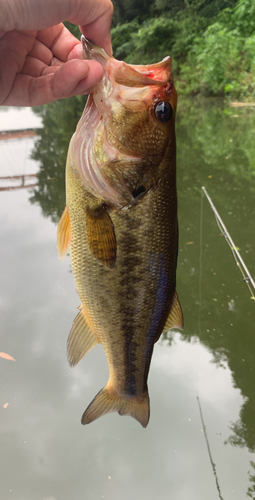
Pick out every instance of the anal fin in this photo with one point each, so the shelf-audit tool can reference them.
(175, 317)
(63, 234)
(101, 236)
(81, 339)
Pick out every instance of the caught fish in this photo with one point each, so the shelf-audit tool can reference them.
(121, 224)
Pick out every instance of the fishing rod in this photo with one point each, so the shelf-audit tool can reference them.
(247, 278)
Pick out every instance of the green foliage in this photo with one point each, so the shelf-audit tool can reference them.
(221, 61)
(212, 43)
(152, 41)
(122, 42)
(156, 37)
(244, 17)
(127, 10)
(214, 61)
(190, 27)
(73, 28)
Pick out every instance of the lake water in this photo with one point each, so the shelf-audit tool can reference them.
(200, 441)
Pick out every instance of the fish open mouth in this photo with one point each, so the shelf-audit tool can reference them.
(130, 75)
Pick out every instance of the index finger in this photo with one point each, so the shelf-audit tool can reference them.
(94, 18)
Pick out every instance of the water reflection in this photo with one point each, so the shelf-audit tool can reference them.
(59, 122)
(45, 452)
(215, 148)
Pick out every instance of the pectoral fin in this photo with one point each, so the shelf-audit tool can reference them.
(81, 339)
(175, 317)
(101, 236)
(63, 234)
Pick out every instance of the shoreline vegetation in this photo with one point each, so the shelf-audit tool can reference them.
(212, 42)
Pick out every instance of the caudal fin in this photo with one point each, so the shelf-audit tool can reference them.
(107, 401)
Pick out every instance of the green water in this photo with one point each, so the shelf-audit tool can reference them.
(45, 453)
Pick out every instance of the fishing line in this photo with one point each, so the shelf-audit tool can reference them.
(200, 264)
(199, 346)
(247, 278)
(200, 290)
(209, 449)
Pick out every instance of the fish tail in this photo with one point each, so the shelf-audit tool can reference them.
(107, 401)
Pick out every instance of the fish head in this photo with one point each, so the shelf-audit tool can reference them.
(127, 129)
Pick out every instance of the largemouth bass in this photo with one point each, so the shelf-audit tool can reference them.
(121, 223)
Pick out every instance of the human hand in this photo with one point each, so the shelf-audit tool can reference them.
(40, 60)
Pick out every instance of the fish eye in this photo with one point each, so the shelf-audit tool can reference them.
(163, 111)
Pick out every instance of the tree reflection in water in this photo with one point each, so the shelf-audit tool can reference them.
(59, 123)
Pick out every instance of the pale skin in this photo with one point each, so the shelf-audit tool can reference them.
(40, 60)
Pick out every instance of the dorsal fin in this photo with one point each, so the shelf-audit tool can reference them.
(81, 339)
(63, 234)
(101, 236)
(175, 317)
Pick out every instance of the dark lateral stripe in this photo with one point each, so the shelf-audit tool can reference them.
(157, 267)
